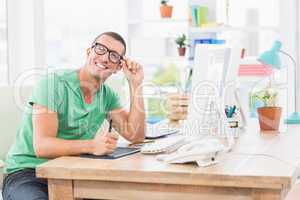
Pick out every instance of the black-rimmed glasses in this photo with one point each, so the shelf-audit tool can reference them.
(113, 56)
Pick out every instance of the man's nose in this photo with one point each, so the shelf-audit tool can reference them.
(105, 58)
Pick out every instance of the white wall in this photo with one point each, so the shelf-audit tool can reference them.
(20, 37)
(290, 43)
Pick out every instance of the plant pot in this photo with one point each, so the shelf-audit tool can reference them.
(269, 118)
(181, 51)
(166, 11)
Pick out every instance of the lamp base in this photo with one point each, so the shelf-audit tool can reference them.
(294, 118)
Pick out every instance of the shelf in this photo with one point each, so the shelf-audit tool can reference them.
(231, 29)
(160, 59)
(157, 21)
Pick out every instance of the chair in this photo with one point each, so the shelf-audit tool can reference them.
(12, 105)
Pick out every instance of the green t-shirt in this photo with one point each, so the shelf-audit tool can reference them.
(60, 92)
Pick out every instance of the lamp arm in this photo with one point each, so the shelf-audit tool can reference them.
(295, 77)
(287, 54)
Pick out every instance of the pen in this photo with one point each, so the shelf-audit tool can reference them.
(110, 125)
(233, 110)
(226, 111)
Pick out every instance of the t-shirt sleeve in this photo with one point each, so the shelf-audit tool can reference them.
(113, 99)
(46, 93)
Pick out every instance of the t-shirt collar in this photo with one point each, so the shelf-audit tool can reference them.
(72, 80)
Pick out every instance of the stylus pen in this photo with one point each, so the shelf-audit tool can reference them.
(110, 125)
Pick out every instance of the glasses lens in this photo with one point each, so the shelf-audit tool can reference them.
(99, 49)
(114, 57)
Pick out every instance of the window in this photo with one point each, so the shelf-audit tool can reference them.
(71, 27)
(3, 44)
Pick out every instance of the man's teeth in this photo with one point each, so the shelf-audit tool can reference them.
(100, 66)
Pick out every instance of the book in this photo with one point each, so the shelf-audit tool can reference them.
(254, 70)
(202, 14)
(199, 15)
(194, 16)
(208, 41)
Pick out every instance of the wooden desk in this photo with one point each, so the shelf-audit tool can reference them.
(239, 176)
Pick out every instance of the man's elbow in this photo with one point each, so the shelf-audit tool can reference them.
(39, 148)
(39, 151)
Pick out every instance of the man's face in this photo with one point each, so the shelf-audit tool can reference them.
(101, 65)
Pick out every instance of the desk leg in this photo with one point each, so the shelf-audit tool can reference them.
(60, 189)
(266, 194)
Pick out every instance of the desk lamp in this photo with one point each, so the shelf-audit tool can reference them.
(271, 58)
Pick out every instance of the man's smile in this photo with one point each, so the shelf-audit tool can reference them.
(99, 65)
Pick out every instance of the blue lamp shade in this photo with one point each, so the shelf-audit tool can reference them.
(271, 57)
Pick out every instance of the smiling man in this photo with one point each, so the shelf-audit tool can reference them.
(66, 110)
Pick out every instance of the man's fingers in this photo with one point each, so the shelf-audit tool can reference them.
(181, 109)
(111, 140)
(113, 135)
(129, 64)
(132, 65)
(176, 97)
(110, 147)
(135, 67)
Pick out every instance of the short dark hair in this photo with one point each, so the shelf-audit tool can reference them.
(114, 35)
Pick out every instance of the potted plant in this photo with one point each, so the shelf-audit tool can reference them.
(181, 42)
(165, 9)
(269, 114)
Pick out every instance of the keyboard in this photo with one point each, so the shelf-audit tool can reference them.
(164, 145)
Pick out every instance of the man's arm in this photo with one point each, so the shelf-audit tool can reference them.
(131, 125)
(47, 145)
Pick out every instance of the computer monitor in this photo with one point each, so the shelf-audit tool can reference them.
(214, 76)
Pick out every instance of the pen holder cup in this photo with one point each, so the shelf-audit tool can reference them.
(232, 127)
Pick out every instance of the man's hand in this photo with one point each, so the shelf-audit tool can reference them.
(133, 72)
(105, 143)
(177, 106)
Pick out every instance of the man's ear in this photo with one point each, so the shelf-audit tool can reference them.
(88, 51)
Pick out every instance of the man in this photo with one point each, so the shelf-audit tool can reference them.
(66, 110)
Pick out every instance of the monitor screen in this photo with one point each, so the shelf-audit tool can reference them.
(215, 68)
